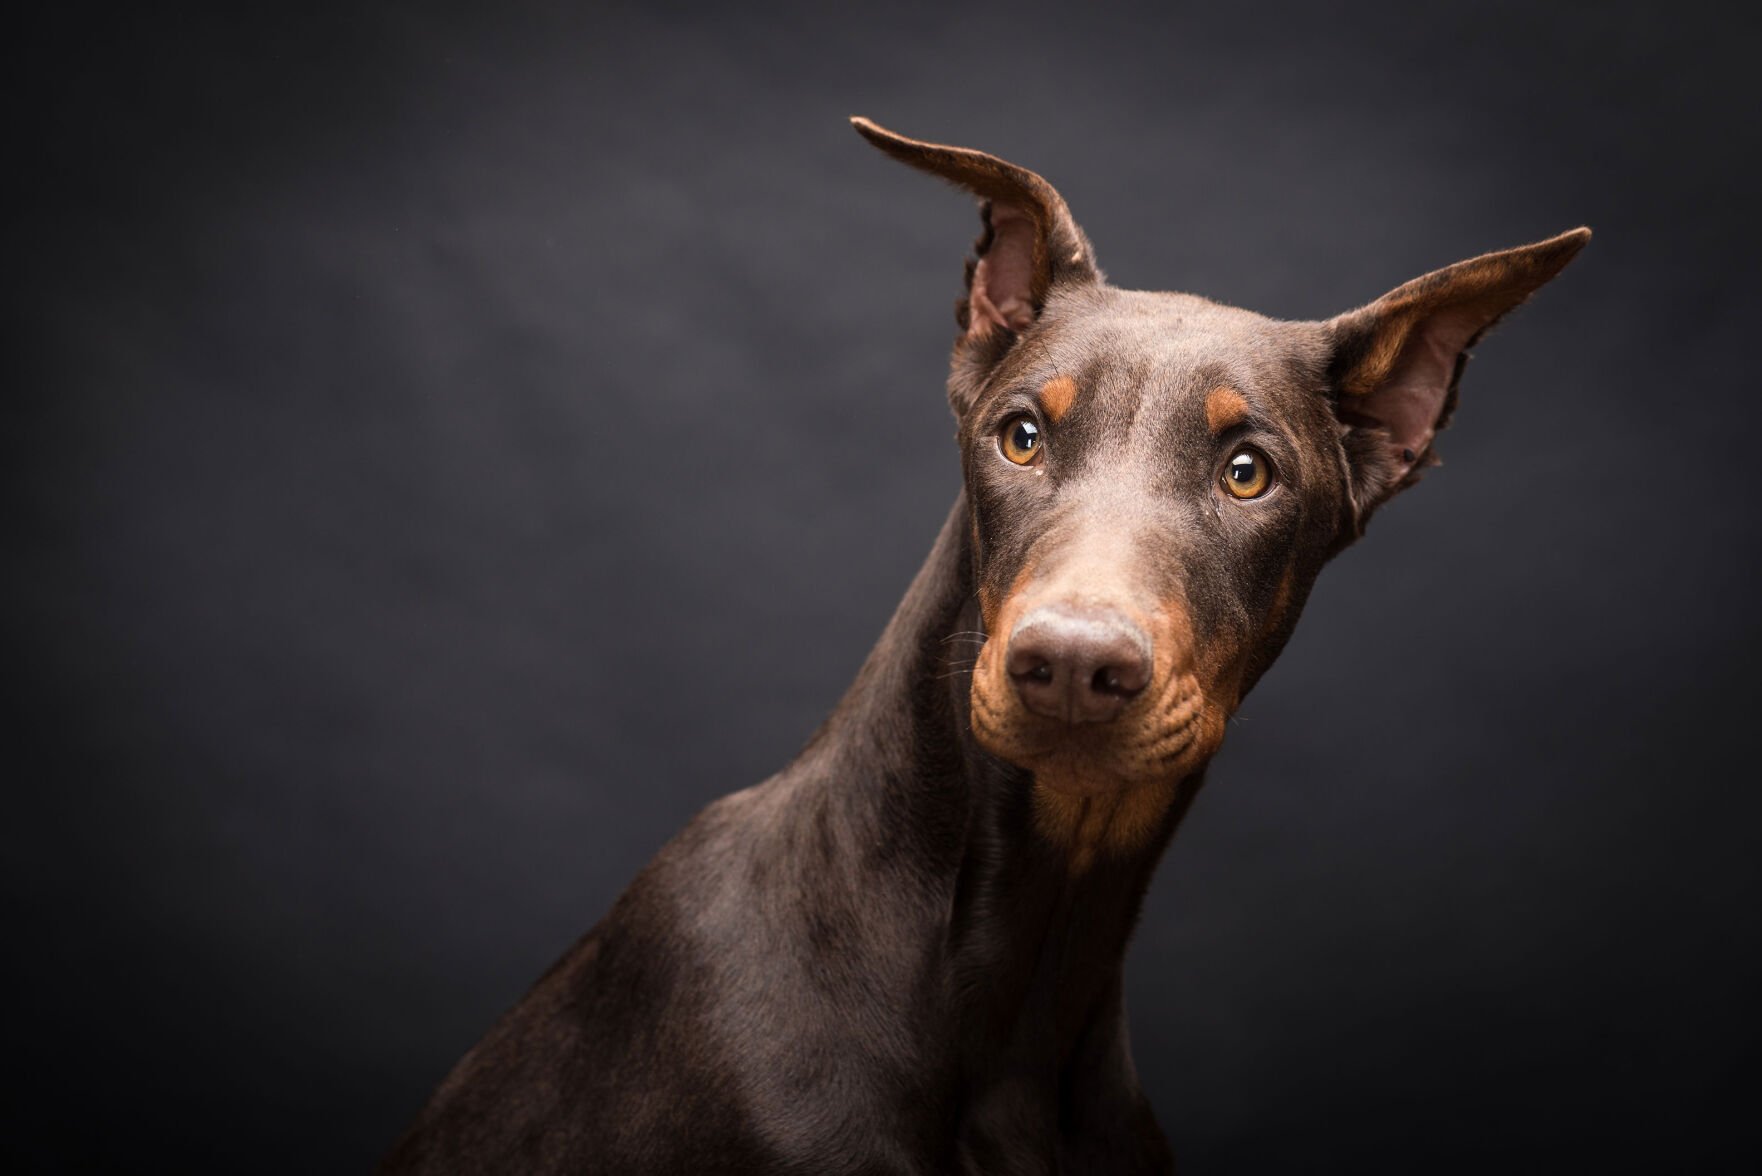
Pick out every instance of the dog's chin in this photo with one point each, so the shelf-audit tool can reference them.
(1159, 740)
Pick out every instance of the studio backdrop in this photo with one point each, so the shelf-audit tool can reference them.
(446, 449)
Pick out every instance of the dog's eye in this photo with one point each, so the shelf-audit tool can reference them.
(1020, 439)
(1248, 473)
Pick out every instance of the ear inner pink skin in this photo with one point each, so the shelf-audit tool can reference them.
(1003, 280)
(1410, 401)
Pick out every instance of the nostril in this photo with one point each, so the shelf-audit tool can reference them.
(1031, 661)
(1120, 681)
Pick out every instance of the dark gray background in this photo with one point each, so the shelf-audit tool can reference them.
(444, 451)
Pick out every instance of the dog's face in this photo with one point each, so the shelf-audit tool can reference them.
(1155, 480)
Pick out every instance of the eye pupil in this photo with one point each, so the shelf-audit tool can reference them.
(1026, 435)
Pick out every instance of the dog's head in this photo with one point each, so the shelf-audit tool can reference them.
(1155, 479)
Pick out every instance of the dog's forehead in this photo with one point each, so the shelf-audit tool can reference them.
(1143, 349)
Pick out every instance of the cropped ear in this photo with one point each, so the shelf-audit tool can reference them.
(1396, 362)
(1029, 244)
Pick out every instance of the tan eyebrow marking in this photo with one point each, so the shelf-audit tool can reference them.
(1225, 409)
(1056, 396)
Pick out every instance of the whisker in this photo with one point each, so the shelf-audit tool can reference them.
(959, 666)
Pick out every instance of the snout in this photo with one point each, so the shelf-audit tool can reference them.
(1090, 674)
(1080, 665)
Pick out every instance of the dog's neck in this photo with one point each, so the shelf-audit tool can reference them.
(1029, 927)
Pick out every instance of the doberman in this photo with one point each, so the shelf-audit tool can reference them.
(902, 953)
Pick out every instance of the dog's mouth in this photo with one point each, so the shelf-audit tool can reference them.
(1161, 736)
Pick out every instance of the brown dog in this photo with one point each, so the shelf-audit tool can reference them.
(903, 952)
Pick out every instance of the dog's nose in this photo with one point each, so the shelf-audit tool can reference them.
(1079, 665)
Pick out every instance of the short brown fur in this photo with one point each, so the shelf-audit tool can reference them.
(1224, 410)
(1056, 397)
(905, 949)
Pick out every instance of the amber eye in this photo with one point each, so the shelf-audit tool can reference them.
(1020, 439)
(1248, 474)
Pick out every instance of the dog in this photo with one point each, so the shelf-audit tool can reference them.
(903, 952)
